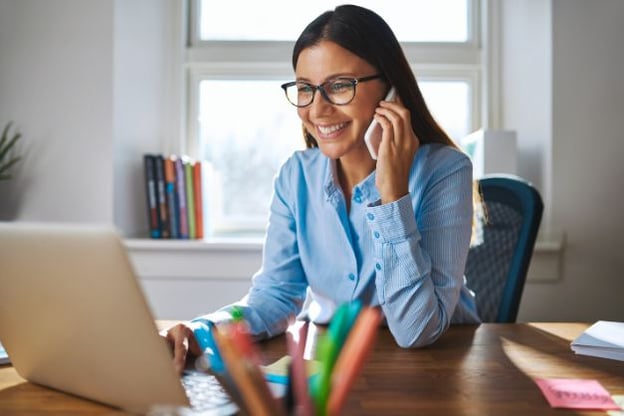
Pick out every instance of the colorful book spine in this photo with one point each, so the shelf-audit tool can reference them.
(170, 190)
(198, 199)
(190, 197)
(181, 188)
(175, 196)
(161, 196)
(150, 191)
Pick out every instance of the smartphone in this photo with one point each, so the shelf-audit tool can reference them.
(372, 137)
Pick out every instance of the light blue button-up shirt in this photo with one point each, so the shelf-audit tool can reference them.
(407, 256)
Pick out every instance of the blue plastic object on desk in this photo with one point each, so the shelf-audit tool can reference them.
(203, 335)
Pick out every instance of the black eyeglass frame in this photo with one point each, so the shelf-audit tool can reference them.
(321, 88)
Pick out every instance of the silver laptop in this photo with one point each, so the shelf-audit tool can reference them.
(73, 318)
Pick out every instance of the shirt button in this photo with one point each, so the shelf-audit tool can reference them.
(351, 276)
(378, 266)
(370, 216)
(376, 234)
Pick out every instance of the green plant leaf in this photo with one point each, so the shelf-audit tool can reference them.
(6, 166)
(6, 129)
(5, 134)
(4, 150)
(6, 144)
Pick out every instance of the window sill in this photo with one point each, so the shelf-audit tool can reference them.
(239, 258)
(214, 258)
(545, 265)
(208, 244)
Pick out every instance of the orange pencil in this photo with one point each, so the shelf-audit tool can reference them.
(357, 346)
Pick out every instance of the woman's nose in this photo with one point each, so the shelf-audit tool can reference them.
(320, 106)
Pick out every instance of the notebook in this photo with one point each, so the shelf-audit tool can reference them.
(73, 318)
(604, 339)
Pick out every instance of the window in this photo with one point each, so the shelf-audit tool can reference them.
(238, 120)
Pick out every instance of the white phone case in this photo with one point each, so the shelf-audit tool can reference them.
(372, 137)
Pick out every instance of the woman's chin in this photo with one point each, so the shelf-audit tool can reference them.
(332, 150)
(339, 150)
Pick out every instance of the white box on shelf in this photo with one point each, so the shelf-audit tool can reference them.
(491, 151)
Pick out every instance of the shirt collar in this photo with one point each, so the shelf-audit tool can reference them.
(366, 188)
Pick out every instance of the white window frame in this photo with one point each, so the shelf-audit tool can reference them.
(271, 60)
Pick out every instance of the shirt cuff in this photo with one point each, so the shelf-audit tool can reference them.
(392, 222)
(215, 318)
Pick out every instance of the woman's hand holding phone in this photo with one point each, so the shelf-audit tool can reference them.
(396, 150)
(373, 134)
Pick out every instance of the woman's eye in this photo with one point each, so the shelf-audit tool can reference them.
(340, 86)
(304, 88)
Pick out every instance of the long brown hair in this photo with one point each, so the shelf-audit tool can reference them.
(368, 36)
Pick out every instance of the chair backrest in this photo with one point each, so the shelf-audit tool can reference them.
(496, 268)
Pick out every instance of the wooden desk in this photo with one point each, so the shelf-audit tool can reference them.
(471, 370)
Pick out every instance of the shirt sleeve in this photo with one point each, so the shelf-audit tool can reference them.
(279, 287)
(420, 257)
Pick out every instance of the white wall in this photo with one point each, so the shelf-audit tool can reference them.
(572, 116)
(145, 104)
(56, 83)
(526, 88)
(89, 84)
(91, 88)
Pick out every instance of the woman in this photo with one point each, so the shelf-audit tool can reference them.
(392, 232)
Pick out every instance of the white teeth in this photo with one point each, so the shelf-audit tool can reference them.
(331, 129)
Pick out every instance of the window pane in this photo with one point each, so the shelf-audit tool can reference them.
(449, 102)
(247, 129)
(411, 21)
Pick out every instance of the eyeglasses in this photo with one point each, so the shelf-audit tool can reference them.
(338, 91)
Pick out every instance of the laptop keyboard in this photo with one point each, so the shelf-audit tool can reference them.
(206, 394)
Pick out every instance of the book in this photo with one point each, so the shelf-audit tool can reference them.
(172, 203)
(198, 199)
(161, 196)
(150, 191)
(174, 194)
(181, 197)
(190, 197)
(604, 339)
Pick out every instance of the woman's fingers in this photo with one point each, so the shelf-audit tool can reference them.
(396, 124)
(396, 152)
(180, 338)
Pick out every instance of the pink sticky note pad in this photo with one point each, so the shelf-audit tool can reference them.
(571, 393)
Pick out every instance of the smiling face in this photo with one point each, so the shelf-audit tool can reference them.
(338, 129)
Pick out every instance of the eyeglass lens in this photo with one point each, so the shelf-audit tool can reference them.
(339, 91)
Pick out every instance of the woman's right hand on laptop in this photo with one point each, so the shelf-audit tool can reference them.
(182, 343)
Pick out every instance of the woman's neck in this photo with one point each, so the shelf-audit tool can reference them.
(351, 172)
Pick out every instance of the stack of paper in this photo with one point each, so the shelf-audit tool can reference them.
(603, 339)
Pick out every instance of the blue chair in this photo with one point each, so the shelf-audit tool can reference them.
(496, 267)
